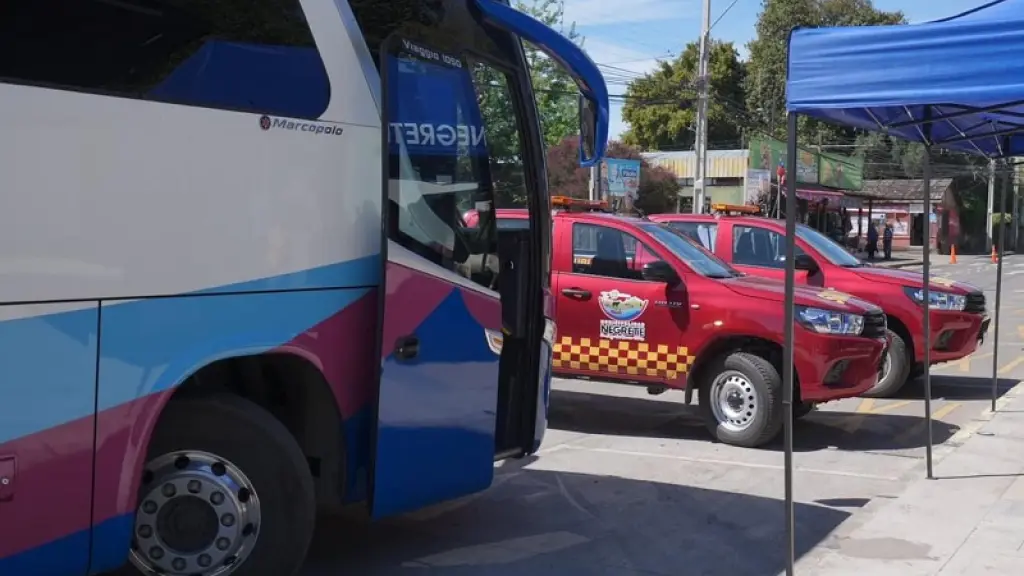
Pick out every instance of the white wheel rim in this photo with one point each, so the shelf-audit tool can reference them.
(734, 401)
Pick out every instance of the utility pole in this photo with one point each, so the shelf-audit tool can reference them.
(595, 181)
(700, 168)
(991, 204)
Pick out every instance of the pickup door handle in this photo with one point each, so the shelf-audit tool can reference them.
(577, 293)
(407, 347)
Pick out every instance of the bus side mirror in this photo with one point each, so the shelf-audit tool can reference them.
(588, 130)
(660, 271)
(805, 262)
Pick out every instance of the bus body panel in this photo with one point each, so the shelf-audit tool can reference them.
(436, 410)
(229, 212)
(147, 238)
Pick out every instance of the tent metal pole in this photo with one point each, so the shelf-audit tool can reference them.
(999, 285)
(787, 353)
(926, 293)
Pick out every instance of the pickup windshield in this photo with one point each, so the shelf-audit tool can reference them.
(696, 257)
(827, 247)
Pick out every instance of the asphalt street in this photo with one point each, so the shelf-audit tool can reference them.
(631, 484)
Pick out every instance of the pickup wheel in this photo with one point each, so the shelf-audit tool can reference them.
(741, 400)
(226, 491)
(895, 370)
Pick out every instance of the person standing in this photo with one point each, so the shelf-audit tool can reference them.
(887, 241)
(872, 246)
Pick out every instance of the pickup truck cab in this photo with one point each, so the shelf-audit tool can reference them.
(638, 302)
(756, 245)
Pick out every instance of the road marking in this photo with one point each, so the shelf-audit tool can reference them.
(861, 414)
(916, 429)
(1013, 364)
(891, 407)
(729, 463)
(965, 364)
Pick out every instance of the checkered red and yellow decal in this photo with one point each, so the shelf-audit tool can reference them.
(622, 357)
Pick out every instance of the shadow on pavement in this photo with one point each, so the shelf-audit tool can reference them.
(954, 387)
(547, 523)
(650, 418)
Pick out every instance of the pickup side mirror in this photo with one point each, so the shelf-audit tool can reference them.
(660, 271)
(805, 262)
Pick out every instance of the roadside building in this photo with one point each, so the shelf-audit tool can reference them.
(724, 182)
(901, 204)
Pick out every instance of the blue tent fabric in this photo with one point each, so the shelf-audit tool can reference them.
(280, 80)
(966, 72)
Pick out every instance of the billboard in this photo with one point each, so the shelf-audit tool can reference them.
(621, 177)
(769, 154)
(843, 172)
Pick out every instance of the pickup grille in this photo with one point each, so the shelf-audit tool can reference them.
(874, 325)
(975, 303)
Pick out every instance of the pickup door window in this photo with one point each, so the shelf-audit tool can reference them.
(702, 232)
(609, 319)
(762, 252)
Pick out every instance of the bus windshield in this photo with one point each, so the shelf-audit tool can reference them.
(696, 257)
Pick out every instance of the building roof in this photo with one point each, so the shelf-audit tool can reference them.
(904, 190)
(721, 163)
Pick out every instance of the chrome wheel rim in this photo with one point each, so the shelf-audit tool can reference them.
(199, 515)
(734, 401)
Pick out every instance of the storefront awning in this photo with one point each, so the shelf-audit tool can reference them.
(834, 197)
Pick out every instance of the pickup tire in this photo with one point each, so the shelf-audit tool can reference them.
(741, 400)
(895, 369)
(225, 483)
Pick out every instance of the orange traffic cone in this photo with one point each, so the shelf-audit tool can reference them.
(994, 257)
(952, 254)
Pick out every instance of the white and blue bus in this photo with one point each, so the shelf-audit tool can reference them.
(235, 284)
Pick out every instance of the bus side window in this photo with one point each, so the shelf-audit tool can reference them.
(256, 56)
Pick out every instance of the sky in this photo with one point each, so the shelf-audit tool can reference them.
(627, 37)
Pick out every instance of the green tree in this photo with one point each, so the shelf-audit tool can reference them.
(766, 66)
(555, 90)
(661, 106)
(656, 193)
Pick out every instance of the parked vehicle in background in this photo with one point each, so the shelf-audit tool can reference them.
(233, 271)
(756, 245)
(640, 303)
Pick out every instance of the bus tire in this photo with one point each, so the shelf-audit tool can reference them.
(895, 369)
(225, 483)
(741, 400)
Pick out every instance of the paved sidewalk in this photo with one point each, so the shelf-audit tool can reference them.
(967, 522)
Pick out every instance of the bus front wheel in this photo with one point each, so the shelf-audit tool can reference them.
(226, 491)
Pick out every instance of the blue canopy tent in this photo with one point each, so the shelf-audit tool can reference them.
(956, 83)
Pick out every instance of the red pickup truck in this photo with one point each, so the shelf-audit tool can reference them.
(638, 302)
(756, 245)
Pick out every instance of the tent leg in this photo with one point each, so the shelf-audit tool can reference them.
(926, 165)
(999, 288)
(787, 354)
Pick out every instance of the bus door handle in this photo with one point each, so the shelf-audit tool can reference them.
(407, 347)
(577, 293)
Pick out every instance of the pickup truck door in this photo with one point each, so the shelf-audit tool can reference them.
(758, 251)
(611, 322)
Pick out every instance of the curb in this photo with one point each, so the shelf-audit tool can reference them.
(907, 264)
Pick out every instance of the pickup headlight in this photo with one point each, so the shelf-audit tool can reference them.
(938, 299)
(829, 321)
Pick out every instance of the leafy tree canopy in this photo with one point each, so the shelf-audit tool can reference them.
(658, 187)
(661, 106)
